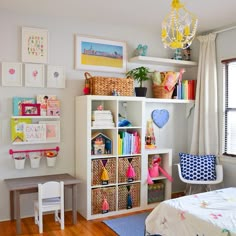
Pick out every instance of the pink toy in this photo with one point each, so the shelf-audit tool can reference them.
(154, 171)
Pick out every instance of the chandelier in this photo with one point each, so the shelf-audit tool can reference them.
(178, 27)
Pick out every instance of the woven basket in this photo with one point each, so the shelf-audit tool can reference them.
(123, 166)
(98, 195)
(97, 168)
(161, 92)
(123, 195)
(99, 85)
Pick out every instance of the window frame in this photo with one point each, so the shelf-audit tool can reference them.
(227, 109)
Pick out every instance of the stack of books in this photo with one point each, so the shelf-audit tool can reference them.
(102, 119)
(186, 90)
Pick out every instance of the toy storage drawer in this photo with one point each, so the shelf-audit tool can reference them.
(124, 190)
(98, 195)
(97, 169)
(156, 192)
(123, 165)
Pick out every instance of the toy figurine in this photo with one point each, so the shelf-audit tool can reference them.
(105, 206)
(187, 53)
(130, 173)
(129, 199)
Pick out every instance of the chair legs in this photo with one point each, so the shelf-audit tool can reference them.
(38, 219)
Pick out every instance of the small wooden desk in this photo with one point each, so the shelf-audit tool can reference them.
(19, 186)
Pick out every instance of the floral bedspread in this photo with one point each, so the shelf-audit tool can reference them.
(204, 214)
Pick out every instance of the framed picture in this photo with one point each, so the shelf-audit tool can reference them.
(100, 54)
(11, 74)
(34, 45)
(29, 109)
(55, 76)
(34, 75)
(34, 132)
(52, 130)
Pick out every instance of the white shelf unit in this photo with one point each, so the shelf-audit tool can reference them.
(36, 119)
(162, 61)
(91, 190)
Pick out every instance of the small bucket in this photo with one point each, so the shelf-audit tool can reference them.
(35, 160)
(19, 163)
(51, 161)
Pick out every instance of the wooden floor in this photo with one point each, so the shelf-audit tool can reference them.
(52, 228)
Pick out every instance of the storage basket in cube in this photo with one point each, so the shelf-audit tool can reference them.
(156, 192)
(123, 195)
(97, 168)
(123, 166)
(98, 195)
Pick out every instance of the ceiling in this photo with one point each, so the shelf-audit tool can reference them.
(212, 14)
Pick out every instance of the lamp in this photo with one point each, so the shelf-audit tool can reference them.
(178, 27)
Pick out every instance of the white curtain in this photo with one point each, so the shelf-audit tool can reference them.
(205, 122)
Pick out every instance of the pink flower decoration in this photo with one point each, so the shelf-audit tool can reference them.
(35, 73)
(12, 71)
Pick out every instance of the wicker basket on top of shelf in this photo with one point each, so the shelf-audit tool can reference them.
(161, 92)
(99, 85)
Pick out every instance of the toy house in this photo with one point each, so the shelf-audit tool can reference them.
(101, 144)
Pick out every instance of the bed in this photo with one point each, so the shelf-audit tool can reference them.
(205, 214)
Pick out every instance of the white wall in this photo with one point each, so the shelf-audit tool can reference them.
(61, 52)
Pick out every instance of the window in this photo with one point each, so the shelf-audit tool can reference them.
(229, 72)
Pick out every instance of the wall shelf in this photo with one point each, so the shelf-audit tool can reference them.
(162, 61)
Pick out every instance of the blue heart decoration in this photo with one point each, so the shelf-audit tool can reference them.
(160, 117)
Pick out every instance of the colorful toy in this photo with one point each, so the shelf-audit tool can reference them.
(155, 169)
(129, 198)
(130, 173)
(104, 175)
(105, 206)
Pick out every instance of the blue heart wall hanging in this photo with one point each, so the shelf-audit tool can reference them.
(160, 117)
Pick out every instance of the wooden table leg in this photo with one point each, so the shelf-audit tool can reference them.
(74, 203)
(17, 207)
(12, 204)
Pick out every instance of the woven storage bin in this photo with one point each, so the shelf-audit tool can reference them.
(96, 170)
(123, 166)
(99, 85)
(123, 195)
(156, 192)
(161, 92)
(98, 195)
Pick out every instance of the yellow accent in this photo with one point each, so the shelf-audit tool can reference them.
(104, 175)
(176, 4)
(187, 30)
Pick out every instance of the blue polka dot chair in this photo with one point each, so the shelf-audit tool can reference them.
(195, 170)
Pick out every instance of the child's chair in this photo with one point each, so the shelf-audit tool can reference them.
(50, 198)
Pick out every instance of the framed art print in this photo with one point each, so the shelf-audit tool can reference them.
(52, 130)
(34, 75)
(11, 74)
(55, 76)
(98, 54)
(34, 45)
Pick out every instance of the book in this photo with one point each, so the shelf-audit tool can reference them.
(53, 107)
(43, 100)
(17, 101)
(34, 132)
(17, 128)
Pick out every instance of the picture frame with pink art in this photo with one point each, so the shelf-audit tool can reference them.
(34, 75)
(52, 130)
(12, 74)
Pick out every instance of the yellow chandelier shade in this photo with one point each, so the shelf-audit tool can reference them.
(178, 27)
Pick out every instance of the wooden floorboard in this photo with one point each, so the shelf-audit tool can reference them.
(52, 228)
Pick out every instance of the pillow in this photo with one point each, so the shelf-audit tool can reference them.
(198, 167)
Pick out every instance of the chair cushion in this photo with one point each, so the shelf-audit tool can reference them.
(198, 167)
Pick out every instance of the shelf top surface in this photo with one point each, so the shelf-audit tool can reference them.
(133, 98)
(162, 61)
